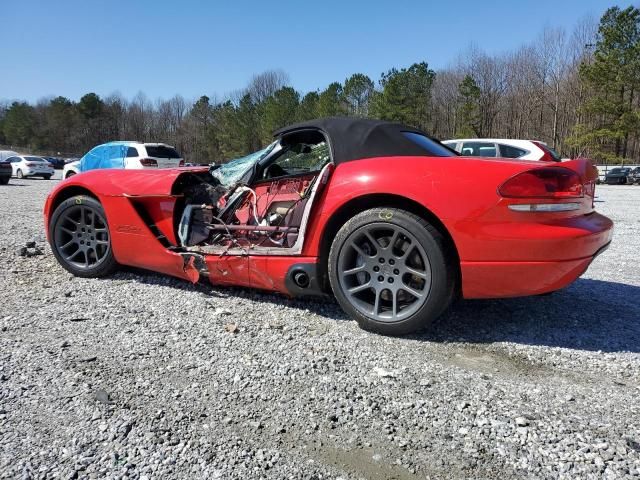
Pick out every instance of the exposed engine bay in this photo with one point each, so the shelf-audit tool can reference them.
(269, 215)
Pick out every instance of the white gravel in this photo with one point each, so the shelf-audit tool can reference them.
(136, 376)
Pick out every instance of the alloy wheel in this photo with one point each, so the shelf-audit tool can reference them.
(384, 271)
(82, 237)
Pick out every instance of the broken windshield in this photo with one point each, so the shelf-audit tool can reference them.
(232, 171)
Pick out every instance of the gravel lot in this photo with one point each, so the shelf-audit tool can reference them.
(137, 375)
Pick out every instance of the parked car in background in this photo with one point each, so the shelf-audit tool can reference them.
(505, 148)
(131, 155)
(56, 163)
(617, 176)
(31, 166)
(6, 154)
(634, 176)
(5, 172)
(70, 169)
(128, 155)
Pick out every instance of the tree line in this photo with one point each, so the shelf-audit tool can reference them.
(578, 91)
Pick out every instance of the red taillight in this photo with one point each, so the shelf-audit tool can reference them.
(543, 183)
(149, 162)
(31, 164)
(181, 164)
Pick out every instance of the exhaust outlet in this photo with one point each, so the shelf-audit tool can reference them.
(301, 279)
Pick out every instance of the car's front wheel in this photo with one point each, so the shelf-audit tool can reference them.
(390, 271)
(80, 239)
(47, 177)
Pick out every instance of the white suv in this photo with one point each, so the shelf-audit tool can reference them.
(504, 148)
(129, 155)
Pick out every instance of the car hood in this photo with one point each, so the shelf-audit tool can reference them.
(133, 183)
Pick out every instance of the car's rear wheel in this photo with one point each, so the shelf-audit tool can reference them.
(389, 270)
(80, 239)
(47, 177)
(19, 174)
(4, 180)
(70, 174)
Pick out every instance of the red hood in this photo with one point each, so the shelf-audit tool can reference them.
(118, 182)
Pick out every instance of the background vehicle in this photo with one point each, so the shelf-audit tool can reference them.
(634, 176)
(617, 176)
(6, 154)
(505, 148)
(56, 163)
(5, 172)
(341, 206)
(131, 155)
(30, 166)
(70, 169)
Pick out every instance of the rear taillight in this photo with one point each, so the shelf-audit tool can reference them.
(31, 164)
(557, 183)
(149, 162)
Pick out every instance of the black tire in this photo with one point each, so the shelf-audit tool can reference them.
(435, 289)
(47, 177)
(70, 174)
(4, 180)
(19, 174)
(80, 238)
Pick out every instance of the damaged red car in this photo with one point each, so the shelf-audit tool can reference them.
(391, 222)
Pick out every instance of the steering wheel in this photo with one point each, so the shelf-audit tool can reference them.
(274, 170)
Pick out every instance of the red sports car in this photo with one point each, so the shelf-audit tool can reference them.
(390, 221)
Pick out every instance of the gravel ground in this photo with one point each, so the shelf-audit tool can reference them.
(141, 376)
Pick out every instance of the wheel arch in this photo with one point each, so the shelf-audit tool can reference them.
(66, 193)
(365, 202)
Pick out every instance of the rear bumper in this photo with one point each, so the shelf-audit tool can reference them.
(534, 276)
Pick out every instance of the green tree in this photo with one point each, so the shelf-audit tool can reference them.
(19, 124)
(470, 121)
(280, 109)
(330, 103)
(308, 108)
(613, 77)
(405, 95)
(358, 89)
(90, 106)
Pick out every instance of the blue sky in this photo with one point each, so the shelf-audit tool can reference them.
(188, 47)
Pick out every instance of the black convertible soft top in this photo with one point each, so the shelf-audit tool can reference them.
(356, 138)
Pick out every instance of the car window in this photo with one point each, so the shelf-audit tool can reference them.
(300, 158)
(508, 151)
(431, 147)
(132, 152)
(479, 149)
(160, 151)
(232, 171)
(34, 159)
(615, 170)
(13, 159)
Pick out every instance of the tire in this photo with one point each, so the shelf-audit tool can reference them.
(400, 284)
(4, 180)
(70, 174)
(80, 239)
(19, 174)
(47, 177)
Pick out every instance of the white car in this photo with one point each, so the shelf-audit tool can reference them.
(30, 166)
(128, 155)
(70, 169)
(504, 148)
(6, 154)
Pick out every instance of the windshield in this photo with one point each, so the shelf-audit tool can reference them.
(34, 159)
(232, 171)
